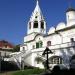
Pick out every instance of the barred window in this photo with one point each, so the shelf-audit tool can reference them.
(39, 44)
(56, 60)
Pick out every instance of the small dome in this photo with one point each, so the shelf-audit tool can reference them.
(70, 9)
(60, 26)
(51, 30)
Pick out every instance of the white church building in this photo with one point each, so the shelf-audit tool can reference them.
(60, 40)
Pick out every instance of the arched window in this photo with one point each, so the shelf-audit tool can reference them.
(56, 60)
(35, 24)
(39, 44)
(42, 24)
(49, 43)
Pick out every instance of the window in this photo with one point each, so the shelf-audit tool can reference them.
(35, 16)
(42, 24)
(35, 24)
(56, 60)
(39, 44)
(29, 25)
(49, 43)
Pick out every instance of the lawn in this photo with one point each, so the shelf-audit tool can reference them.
(28, 72)
(24, 72)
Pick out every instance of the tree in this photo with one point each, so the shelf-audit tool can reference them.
(16, 48)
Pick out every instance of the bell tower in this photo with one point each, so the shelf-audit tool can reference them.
(36, 23)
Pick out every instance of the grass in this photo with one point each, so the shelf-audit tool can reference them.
(24, 72)
(28, 72)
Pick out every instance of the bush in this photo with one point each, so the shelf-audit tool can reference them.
(8, 66)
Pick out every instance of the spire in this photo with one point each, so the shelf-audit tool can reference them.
(37, 2)
(37, 8)
(37, 12)
(37, 23)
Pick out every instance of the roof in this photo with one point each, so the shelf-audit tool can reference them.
(70, 9)
(37, 12)
(5, 43)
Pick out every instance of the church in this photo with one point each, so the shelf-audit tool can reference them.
(60, 40)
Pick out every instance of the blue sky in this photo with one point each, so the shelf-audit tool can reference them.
(15, 14)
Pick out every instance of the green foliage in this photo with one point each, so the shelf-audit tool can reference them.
(29, 71)
(16, 48)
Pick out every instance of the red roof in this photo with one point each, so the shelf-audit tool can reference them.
(4, 43)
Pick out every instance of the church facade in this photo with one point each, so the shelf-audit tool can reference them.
(60, 40)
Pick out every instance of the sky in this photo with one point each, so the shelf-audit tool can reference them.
(15, 14)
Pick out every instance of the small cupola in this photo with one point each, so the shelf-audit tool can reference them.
(70, 16)
(70, 9)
